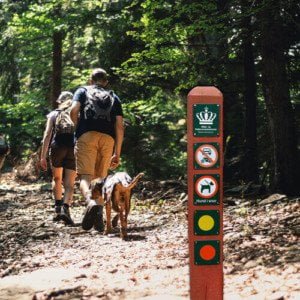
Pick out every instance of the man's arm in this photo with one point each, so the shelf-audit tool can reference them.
(119, 132)
(75, 109)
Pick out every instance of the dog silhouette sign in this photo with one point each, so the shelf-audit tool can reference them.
(206, 189)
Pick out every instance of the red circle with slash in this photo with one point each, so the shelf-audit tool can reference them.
(206, 155)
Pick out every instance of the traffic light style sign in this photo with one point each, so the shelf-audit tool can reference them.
(205, 192)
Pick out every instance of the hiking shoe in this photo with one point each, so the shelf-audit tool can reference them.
(98, 221)
(65, 215)
(57, 212)
(89, 215)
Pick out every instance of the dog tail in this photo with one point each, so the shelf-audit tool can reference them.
(135, 180)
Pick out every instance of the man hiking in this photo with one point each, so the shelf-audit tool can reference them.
(97, 113)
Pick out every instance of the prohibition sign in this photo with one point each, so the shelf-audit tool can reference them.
(206, 186)
(206, 155)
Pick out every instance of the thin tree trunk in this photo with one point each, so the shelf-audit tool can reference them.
(56, 67)
(279, 107)
(251, 161)
(225, 77)
(10, 84)
(10, 90)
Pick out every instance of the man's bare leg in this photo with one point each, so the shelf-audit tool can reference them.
(94, 206)
(85, 181)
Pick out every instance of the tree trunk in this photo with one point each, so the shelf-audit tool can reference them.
(10, 84)
(56, 67)
(225, 78)
(250, 171)
(279, 107)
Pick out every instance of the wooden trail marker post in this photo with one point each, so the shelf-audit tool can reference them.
(205, 192)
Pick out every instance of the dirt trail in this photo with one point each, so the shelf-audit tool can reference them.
(46, 260)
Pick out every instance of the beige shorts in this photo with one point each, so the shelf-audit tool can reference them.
(93, 152)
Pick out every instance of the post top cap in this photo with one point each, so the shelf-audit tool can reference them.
(205, 91)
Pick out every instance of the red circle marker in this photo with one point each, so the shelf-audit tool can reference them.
(207, 252)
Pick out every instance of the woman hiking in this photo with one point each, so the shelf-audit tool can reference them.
(59, 140)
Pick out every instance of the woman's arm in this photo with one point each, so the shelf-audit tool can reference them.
(45, 143)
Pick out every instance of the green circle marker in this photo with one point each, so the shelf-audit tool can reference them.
(206, 223)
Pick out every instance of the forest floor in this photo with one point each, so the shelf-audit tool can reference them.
(41, 259)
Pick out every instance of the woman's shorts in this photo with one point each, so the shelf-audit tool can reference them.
(62, 157)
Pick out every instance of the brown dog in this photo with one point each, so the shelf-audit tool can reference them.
(116, 192)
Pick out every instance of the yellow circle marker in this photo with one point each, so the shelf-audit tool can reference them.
(206, 223)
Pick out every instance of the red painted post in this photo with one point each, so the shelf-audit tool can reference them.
(205, 192)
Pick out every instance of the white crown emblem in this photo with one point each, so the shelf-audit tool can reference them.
(206, 117)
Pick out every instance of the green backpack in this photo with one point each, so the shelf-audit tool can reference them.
(63, 122)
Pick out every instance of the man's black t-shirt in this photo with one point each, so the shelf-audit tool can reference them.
(100, 125)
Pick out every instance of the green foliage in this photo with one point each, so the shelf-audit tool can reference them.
(155, 137)
(23, 123)
(155, 52)
(179, 45)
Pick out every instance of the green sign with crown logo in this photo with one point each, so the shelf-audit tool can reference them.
(206, 119)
